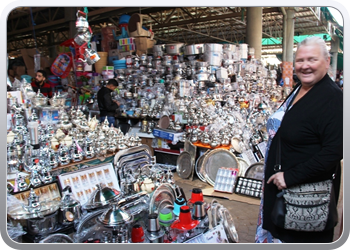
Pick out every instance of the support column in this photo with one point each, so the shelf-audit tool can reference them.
(254, 30)
(70, 15)
(288, 40)
(334, 55)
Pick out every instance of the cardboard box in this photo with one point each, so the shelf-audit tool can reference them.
(11, 72)
(28, 58)
(31, 72)
(168, 135)
(142, 44)
(19, 70)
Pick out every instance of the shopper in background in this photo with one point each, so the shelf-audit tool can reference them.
(311, 140)
(40, 84)
(106, 104)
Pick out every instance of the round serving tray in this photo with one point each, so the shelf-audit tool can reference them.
(243, 166)
(215, 159)
(164, 122)
(255, 171)
(163, 196)
(198, 168)
(184, 165)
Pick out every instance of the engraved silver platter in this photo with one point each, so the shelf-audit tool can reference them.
(163, 196)
(243, 166)
(184, 165)
(255, 171)
(216, 159)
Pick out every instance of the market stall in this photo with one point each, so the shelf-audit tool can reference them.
(73, 179)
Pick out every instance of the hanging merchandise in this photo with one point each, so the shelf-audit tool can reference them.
(83, 37)
(62, 65)
(90, 55)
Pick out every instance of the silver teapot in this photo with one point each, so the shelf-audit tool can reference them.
(77, 154)
(21, 183)
(89, 149)
(35, 178)
(70, 208)
(46, 176)
(53, 159)
(34, 205)
(63, 155)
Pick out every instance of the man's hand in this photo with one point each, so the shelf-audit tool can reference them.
(116, 102)
(278, 180)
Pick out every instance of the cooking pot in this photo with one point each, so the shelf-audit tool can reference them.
(214, 58)
(194, 49)
(173, 49)
(211, 47)
(158, 50)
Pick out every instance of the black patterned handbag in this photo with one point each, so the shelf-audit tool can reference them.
(309, 207)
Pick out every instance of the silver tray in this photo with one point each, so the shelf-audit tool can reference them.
(129, 151)
(47, 207)
(216, 159)
(255, 171)
(229, 225)
(192, 149)
(198, 167)
(163, 196)
(243, 166)
(164, 122)
(132, 156)
(184, 165)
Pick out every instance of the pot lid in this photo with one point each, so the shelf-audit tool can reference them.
(115, 216)
(102, 196)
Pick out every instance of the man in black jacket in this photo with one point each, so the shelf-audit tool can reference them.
(106, 104)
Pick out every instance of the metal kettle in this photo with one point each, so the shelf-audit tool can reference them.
(70, 208)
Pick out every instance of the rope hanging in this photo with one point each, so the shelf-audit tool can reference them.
(33, 24)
